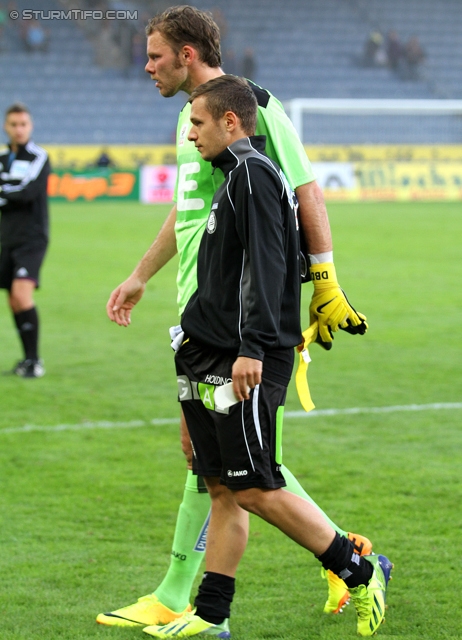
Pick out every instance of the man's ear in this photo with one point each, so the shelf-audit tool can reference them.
(188, 54)
(231, 121)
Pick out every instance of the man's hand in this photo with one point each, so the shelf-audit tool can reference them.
(123, 299)
(330, 306)
(246, 374)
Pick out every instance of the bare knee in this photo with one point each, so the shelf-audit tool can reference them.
(250, 499)
(18, 303)
(20, 297)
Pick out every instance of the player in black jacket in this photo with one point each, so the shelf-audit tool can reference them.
(24, 170)
(248, 297)
(241, 325)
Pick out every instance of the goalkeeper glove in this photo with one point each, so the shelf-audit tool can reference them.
(330, 306)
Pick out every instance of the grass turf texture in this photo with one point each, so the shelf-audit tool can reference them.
(87, 515)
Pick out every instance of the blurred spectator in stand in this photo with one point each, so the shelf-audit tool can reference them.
(2, 25)
(91, 26)
(139, 57)
(374, 50)
(248, 64)
(220, 19)
(104, 160)
(230, 63)
(123, 38)
(414, 55)
(394, 50)
(35, 36)
(11, 7)
(107, 53)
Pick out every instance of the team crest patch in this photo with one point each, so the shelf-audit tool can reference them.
(212, 223)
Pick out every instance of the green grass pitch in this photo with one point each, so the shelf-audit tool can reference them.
(87, 510)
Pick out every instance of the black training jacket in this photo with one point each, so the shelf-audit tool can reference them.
(248, 270)
(23, 196)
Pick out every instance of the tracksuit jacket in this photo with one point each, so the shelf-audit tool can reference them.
(248, 268)
(23, 196)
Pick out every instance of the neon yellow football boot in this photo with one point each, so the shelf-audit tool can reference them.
(369, 601)
(190, 625)
(148, 610)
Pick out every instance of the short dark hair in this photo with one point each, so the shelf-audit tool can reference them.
(182, 25)
(230, 93)
(17, 107)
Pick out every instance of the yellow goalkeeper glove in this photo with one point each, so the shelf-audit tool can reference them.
(330, 306)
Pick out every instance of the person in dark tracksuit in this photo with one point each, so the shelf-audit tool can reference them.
(240, 327)
(24, 171)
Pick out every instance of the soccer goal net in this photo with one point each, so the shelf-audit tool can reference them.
(372, 121)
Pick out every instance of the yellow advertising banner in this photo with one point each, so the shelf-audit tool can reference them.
(412, 180)
(361, 172)
(395, 181)
(397, 153)
(83, 157)
(133, 156)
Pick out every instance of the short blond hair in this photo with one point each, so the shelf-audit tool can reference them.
(185, 25)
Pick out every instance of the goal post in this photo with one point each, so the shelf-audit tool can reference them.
(376, 121)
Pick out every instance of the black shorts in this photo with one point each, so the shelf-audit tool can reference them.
(243, 446)
(20, 263)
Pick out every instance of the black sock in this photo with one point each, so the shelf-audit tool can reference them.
(27, 323)
(213, 600)
(341, 559)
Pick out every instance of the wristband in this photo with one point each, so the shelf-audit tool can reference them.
(317, 258)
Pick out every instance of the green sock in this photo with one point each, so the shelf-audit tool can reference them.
(188, 545)
(294, 486)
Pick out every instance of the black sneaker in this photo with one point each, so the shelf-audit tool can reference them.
(30, 369)
(34, 369)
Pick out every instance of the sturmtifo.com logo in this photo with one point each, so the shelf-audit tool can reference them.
(74, 14)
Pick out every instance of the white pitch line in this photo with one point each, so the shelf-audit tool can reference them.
(135, 424)
(102, 424)
(436, 406)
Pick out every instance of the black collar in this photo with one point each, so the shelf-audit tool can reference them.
(20, 146)
(233, 155)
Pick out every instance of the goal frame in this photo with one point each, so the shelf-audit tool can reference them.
(296, 107)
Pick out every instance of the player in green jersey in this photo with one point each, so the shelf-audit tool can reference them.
(184, 51)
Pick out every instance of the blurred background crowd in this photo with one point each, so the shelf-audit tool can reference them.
(86, 83)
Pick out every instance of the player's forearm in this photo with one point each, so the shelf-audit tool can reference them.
(160, 252)
(313, 218)
(19, 194)
(16, 191)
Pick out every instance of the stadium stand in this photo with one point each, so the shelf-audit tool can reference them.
(437, 24)
(308, 48)
(75, 101)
